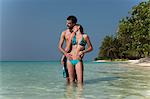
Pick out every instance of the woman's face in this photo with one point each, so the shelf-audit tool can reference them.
(76, 28)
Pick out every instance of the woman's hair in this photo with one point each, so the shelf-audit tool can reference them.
(81, 28)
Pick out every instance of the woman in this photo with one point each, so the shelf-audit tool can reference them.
(78, 41)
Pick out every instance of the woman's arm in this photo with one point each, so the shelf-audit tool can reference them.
(89, 48)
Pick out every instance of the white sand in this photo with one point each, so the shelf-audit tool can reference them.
(135, 62)
(102, 61)
(138, 62)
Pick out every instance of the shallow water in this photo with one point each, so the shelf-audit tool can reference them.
(44, 80)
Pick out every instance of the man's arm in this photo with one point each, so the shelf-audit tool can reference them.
(62, 59)
(61, 41)
(75, 29)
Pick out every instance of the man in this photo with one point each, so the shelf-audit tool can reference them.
(65, 36)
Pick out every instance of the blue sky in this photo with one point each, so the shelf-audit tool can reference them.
(30, 29)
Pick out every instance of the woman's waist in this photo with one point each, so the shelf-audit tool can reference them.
(75, 55)
(76, 58)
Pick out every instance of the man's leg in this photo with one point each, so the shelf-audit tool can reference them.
(66, 70)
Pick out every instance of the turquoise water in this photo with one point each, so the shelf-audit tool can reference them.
(44, 80)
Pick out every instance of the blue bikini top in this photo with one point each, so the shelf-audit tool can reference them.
(82, 42)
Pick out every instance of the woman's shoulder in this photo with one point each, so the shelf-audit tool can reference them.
(85, 35)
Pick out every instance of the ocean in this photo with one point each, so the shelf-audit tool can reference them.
(44, 80)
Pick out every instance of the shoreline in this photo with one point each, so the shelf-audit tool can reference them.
(139, 62)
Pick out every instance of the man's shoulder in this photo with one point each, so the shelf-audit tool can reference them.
(64, 32)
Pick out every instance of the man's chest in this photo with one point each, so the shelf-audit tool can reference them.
(67, 35)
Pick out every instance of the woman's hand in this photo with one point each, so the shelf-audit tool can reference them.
(76, 28)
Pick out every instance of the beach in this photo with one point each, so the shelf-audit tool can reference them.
(138, 62)
(141, 62)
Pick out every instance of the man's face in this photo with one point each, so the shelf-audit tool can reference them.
(69, 24)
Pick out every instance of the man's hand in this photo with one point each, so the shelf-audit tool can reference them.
(62, 60)
(81, 54)
(69, 56)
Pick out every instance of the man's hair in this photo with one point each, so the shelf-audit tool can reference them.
(72, 18)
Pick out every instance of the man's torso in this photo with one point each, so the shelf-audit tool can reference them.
(67, 36)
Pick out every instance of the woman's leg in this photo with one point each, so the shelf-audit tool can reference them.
(70, 71)
(79, 72)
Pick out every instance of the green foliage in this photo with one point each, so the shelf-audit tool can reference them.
(102, 58)
(132, 38)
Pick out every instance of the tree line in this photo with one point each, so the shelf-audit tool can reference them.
(132, 38)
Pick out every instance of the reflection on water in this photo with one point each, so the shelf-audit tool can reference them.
(43, 80)
(97, 80)
(74, 91)
(133, 84)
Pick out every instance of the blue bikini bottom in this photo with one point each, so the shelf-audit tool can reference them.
(74, 62)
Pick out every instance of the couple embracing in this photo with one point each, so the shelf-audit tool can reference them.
(74, 51)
